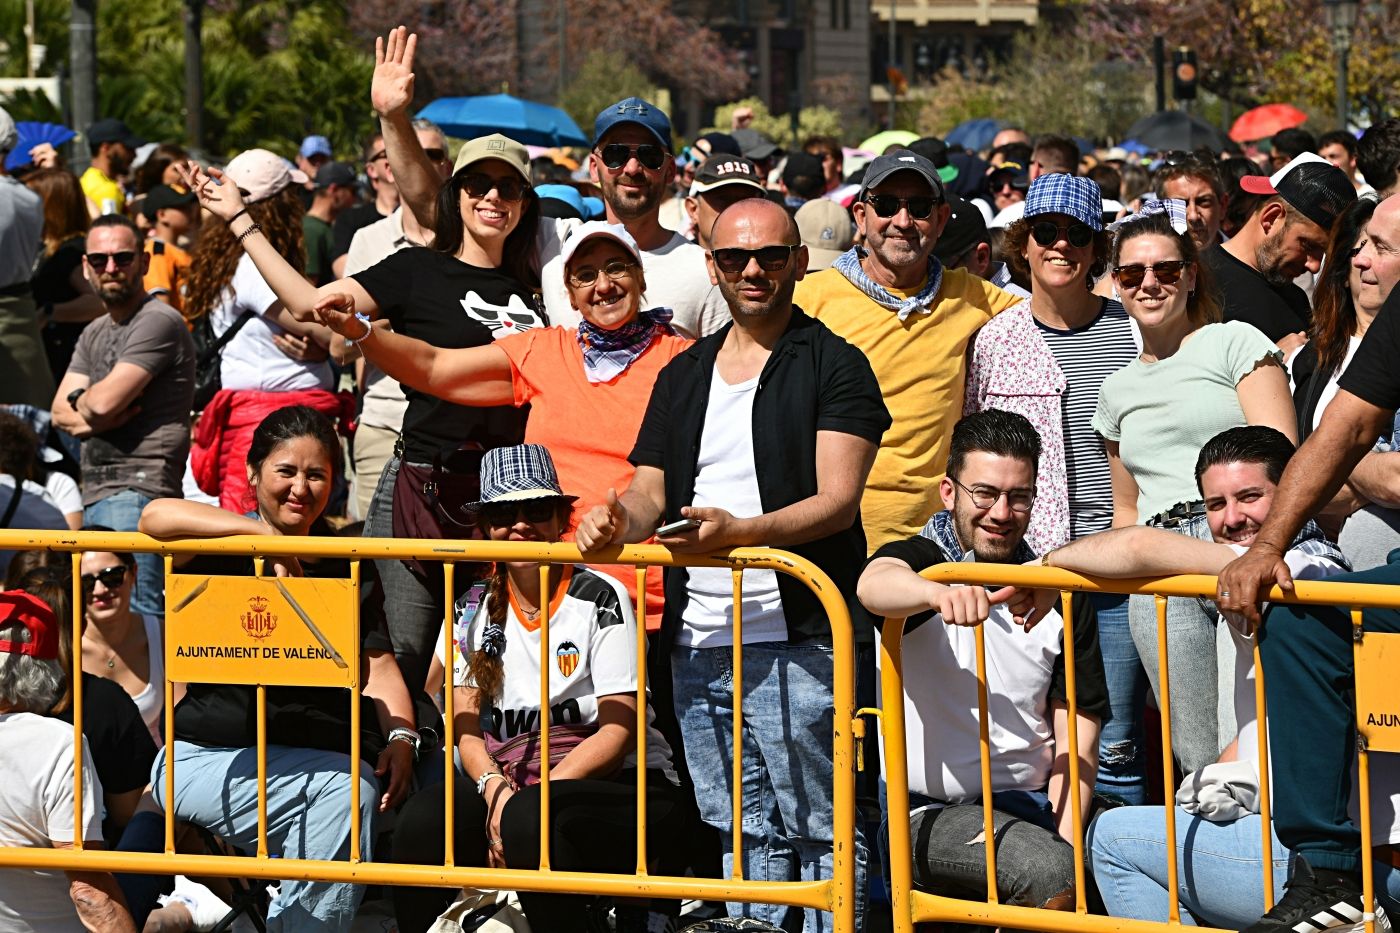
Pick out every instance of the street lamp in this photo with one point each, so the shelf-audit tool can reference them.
(1341, 17)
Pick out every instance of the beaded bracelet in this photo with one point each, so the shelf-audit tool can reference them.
(255, 228)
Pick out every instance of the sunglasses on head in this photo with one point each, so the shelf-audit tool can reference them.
(1167, 272)
(478, 185)
(123, 259)
(1046, 233)
(648, 155)
(109, 577)
(770, 258)
(887, 205)
(534, 511)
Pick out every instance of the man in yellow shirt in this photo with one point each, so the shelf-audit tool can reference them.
(915, 321)
(113, 148)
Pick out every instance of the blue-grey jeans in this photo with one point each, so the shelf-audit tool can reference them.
(787, 768)
(121, 512)
(1122, 762)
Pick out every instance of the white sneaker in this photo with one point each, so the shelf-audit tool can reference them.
(205, 907)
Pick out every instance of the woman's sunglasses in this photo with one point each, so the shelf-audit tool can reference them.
(478, 185)
(109, 577)
(1078, 235)
(616, 155)
(534, 511)
(1167, 272)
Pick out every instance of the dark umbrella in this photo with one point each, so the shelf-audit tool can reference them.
(1175, 129)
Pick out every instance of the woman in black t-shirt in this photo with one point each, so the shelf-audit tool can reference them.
(475, 283)
(291, 465)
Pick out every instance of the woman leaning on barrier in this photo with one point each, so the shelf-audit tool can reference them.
(291, 465)
(591, 656)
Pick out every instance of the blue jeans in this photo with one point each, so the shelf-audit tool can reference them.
(308, 816)
(787, 773)
(1219, 868)
(120, 512)
(1122, 764)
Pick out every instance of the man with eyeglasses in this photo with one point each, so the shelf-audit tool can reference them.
(988, 493)
(127, 396)
(914, 320)
(384, 201)
(760, 434)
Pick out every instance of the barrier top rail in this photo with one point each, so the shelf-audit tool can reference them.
(911, 906)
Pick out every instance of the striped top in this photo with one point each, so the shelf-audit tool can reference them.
(1087, 356)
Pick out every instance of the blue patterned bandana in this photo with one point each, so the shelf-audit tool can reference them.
(940, 530)
(608, 353)
(848, 264)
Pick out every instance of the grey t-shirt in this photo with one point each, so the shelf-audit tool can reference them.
(148, 452)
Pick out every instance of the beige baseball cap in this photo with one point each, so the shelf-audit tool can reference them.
(826, 230)
(494, 146)
(262, 174)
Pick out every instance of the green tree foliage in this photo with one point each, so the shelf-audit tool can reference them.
(600, 81)
(811, 121)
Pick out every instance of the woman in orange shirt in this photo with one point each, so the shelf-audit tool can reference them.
(587, 388)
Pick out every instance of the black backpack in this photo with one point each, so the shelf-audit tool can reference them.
(209, 354)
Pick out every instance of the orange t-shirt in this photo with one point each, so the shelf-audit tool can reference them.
(168, 273)
(589, 427)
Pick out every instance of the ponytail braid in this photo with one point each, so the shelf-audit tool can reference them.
(485, 666)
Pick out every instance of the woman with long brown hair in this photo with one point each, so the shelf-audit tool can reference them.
(65, 299)
(272, 360)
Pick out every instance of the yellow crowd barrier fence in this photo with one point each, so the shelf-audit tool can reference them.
(1375, 656)
(278, 631)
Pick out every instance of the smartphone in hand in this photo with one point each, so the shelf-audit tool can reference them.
(678, 527)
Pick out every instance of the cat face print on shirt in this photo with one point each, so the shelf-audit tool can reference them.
(514, 318)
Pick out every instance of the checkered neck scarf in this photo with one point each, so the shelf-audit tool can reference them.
(941, 531)
(608, 353)
(848, 264)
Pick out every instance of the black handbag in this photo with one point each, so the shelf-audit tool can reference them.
(209, 354)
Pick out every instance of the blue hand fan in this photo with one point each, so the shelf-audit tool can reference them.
(31, 134)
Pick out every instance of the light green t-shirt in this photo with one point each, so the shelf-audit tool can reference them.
(1161, 414)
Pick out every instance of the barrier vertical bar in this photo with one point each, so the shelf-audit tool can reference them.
(544, 715)
(737, 681)
(169, 688)
(355, 679)
(1363, 775)
(1168, 785)
(449, 770)
(1076, 805)
(641, 648)
(262, 748)
(984, 742)
(76, 675)
(896, 759)
(1261, 719)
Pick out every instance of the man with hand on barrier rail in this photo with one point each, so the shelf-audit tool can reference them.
(988, 493)
(1217, 821)
(36, 765)
(760, 434)
(1307, 651)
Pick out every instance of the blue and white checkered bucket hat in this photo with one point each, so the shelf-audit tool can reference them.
(1070, 195)
(510, 474)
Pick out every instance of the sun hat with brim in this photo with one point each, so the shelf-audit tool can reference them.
(1058, 193)
(515, 474)
(36, 616)
(594, 229)
(494, 146)
(262, 174)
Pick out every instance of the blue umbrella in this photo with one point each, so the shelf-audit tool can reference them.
(524, 121)
(30, 134)
(974, 134)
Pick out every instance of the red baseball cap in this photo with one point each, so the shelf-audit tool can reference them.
(34, 614)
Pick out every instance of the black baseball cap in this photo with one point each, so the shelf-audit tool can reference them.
(112, 130)
(965, 229)
(801, 165)
(1310, 184)
(726, 169)
(755, 145)
(335, 173)
(163, 196)
(901, 160)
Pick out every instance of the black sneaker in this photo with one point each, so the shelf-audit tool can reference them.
(1318, 900)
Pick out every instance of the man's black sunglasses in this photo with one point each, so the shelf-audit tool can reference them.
(887, 205)
(616, 155)
(733, 260)
(98, 261)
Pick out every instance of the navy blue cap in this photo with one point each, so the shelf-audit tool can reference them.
(634, 110)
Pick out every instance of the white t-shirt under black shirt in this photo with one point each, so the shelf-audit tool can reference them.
(36, 810)
(251, 360)
(725, 478)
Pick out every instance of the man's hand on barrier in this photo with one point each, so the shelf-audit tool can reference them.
(1029, 606)
(284, 566)
(963, 605)
(1245, 581)
(396, 761)
(718, 530)
(602, 525)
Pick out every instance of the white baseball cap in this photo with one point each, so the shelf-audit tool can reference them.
(262, 174)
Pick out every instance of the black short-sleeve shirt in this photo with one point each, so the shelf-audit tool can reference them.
(349, 222)
(1373, 375)
(1276, 309)
(920, 553)
(450, 304)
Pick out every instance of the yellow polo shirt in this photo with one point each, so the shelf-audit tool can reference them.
(921, 364)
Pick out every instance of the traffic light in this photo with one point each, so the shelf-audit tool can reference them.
(1184, 73)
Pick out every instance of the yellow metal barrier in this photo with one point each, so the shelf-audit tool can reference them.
(1375, 653)
(340, 667)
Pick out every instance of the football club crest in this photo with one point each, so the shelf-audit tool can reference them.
(257, 621)
(567, 655)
